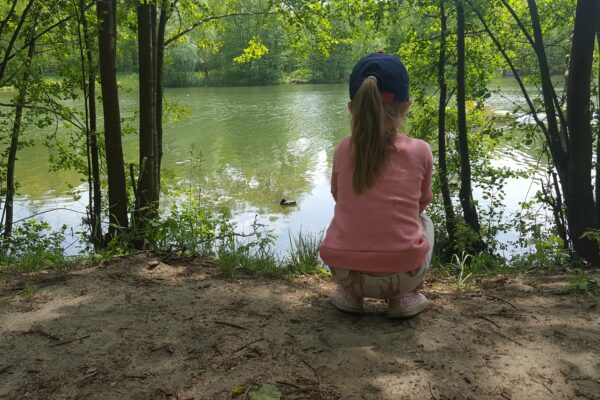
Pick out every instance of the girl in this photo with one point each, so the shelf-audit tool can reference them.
(379, 243)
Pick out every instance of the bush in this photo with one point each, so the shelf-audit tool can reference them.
(189, 229)
(33, 246)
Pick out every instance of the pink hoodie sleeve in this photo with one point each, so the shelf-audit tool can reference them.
(426, 193)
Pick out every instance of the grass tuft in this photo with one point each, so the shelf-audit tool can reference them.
(304, 254)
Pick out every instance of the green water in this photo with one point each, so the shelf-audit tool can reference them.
(246, 148)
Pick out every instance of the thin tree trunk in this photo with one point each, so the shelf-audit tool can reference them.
(465, 193)
(443, 168)
(558, 141)
(598, 140)
(559, 216)
(556, 157)
(156, 172)
(96, 211)
(579, 198)
(531, 41)
(117, 190)
(147, 135)
(165, 13)
(81, 40)
(14, 145)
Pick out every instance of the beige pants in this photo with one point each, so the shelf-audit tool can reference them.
(386, 286)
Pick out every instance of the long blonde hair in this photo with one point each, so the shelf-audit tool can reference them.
(374, 125)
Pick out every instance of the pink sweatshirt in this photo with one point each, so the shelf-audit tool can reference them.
(380, 230)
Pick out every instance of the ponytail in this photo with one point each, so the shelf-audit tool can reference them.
(370, 139)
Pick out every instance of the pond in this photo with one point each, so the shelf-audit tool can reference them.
(246, 148)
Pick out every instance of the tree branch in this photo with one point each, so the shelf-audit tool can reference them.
(8, 15)
(13, 38)
(42, 33)
(527, 35)
(65, 117)
(513, 70)
(213, 18)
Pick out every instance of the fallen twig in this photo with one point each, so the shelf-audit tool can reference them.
(544, 385)
(70, 340)
(247, 391)
(231, 324)
(162, 346)
(248, 344)
(135, 376)
(488, 320)
(89, 377)
(431, 392)
(291, 384)
(504, 336)
(421, 364)
(312, 368)
(502, 300)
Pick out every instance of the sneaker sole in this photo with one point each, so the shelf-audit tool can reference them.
(408, 312)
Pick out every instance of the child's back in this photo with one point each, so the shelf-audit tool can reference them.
(380, 241)
(380, 230)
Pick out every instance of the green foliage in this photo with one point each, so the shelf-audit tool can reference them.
(255, 51)
(263, 42)
(253, 255)
(304, 253)
(36, 236)
(592, 234)
(459, 270)
(266, 392)
(33, 246)
(463, 276)
(464, 268)
(29, 290)
(547, 253)
(180, 66)
(188, 229)
(581, 281)
(466, 239)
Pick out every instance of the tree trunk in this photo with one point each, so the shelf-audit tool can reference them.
(14, 145)
(96, 211)
(165, 12)
(598, 142)
(579, 198)
(443, 168)
(117, 191)
(466, 193)
(156, 173)
(147, 136)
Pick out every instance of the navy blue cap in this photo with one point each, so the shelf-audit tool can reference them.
(391, 74)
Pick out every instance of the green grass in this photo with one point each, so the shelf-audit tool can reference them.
(304, 254)
(582, 282)
(29, 290)
(259, 259)
(32, 262)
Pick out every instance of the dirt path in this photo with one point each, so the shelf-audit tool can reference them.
(125, 331)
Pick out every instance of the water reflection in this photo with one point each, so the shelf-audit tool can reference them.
(245, 149)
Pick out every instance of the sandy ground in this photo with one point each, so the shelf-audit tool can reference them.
(180, 331)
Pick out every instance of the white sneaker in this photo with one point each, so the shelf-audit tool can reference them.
(407, 305)
(345, 300)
